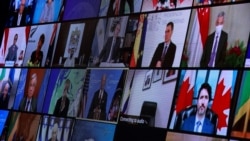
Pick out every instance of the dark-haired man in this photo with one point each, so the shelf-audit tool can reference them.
(199, 122)
(165, 51)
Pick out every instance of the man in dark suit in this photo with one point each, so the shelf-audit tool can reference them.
(54, 133)
(111, 50)
(29, 103)
(19, 17)
(215, 48)
(98, 105)
(165, 52)
(12, 51)
(62, 104)
(199, 122)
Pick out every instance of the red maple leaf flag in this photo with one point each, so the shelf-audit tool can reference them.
(186, 91)
(221, 102)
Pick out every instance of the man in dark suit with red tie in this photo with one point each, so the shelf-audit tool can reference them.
(165, 52)
(29, 103)
(215, 48)
(98, 105)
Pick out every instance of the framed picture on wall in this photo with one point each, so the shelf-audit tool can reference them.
(74, 39)
(169, 75)
(147, 80)
(157, 75)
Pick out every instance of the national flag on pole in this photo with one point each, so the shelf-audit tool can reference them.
(125, 106)
(53, 34)
(222, 98)
(51, 46)
(186, 92)
(27, 32)
(135, 52)
(83, 100)
(2, 73)
(113, 112)
(14, 120)
(104, 8)
(142, 41)
(242, 115)
(198, 35)
(6, 35)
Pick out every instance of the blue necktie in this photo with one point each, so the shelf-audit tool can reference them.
(198, 124)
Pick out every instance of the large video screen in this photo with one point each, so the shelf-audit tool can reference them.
(124, 70)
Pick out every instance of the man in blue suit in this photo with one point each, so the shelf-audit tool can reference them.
(199, 122)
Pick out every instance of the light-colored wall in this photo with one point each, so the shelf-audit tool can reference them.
(236, 22)
(160, 93)
(155, 33)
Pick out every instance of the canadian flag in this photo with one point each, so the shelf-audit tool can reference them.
(198, 35)
(221, 102)
(186, 91)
